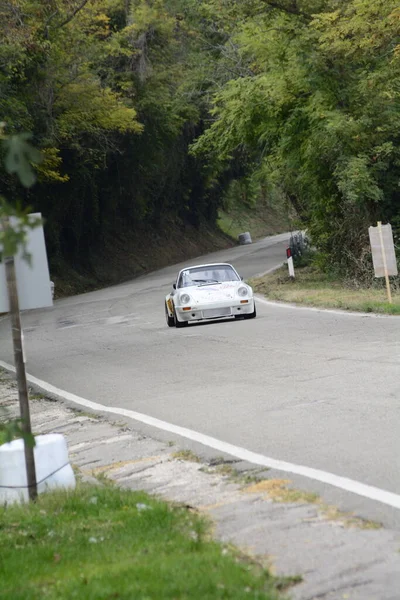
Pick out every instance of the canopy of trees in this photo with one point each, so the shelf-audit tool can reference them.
(146, 110)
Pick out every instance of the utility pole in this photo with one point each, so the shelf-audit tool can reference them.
(19, 362)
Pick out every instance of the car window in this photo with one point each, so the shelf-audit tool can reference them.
(207, 274)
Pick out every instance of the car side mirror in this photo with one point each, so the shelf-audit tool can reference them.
(241, 278)
(174, 286)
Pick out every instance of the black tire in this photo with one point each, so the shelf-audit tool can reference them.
(253, 314)
(170, 320)
(179, 324)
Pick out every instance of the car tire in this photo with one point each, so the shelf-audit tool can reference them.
(170, 320)
(179, 324)
(253, 314)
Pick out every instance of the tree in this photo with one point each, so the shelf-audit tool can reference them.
(20, 155)
(318, 116)
(114, 92)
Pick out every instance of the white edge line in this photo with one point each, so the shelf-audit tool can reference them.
(356, 487)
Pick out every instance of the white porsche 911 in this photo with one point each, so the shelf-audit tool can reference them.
(203, 292)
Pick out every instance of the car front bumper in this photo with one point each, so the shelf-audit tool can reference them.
(216, 310)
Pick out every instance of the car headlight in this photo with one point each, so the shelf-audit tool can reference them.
(184, 298)
(242, 291)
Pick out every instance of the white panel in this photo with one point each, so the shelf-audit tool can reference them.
(33, 281)
(376, 247)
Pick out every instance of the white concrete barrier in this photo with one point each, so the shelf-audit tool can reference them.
(245, 238)
(53, 469)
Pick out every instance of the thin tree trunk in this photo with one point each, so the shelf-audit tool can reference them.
(20, 372)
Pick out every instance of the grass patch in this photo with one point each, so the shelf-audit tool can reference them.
(186, 455)
(36, 397)
(87, 414)
(313, 288)
(239, 477)
(278, 490)
(347, 519)
(104, 542)
(221, 466)
(227, 470)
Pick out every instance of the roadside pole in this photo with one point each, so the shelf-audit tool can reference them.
(290, 262)
(389, 292)
(383, 254)
(20, 372)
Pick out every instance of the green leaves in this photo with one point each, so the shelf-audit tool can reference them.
(319, 115)
(300, 98)
(20, 156)
(356, 181)
(15, 221)
(11, 429)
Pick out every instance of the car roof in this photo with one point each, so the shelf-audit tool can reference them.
(219, 264)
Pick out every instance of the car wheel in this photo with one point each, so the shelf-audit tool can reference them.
(179, 324)
(252, 315)
(170, 320)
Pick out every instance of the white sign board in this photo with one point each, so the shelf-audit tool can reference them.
(382, 247)
(33, 280)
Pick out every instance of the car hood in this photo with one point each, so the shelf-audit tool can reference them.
(214, 292)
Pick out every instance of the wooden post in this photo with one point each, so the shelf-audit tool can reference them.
(20, 371)
(389, 292)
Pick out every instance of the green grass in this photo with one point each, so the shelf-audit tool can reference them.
(313, 288)
(36, 397)
(101, 542)
(187, 455)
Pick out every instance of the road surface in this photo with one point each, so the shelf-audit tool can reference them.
(313, 388)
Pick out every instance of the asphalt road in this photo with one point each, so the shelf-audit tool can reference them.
(319, 389)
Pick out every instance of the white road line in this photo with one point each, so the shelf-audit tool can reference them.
(332, 311)
(356, 487)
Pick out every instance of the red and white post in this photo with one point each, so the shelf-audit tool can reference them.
(290, 262)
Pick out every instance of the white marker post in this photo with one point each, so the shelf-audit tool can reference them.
(290, 262)
(383, 253)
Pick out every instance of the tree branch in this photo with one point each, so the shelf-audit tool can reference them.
(72, 15)
(291, 9)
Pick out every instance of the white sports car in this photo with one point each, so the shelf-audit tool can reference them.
(213, 291)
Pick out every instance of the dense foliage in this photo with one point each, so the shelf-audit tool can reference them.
(148, 110)
(315, 111)
(104, 86)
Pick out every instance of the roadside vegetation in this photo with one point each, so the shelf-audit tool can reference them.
(260, 219)
(312, 112)
(156, 119)
(103, 542)
(313, 287)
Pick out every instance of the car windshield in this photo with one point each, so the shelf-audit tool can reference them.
(207, 275)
